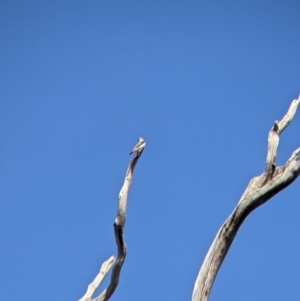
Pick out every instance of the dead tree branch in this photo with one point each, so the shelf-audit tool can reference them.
(259, 190)
(121, 246)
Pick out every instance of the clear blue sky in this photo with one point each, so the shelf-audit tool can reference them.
(202, 82)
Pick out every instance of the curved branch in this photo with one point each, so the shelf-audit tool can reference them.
(260, 189)
(121, 246)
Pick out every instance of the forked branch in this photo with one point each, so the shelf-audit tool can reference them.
(121, 246)
(259, 190)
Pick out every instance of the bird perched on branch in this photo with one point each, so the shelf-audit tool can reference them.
(139, 146)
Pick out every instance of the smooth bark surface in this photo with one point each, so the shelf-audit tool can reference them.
(259, 190)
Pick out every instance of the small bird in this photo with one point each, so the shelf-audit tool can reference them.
(139, 146)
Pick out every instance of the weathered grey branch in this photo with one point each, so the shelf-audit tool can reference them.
(121, 246)
(260, 189)
(273, 141)
(99, 278)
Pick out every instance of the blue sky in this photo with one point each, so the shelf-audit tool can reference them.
(202, 82)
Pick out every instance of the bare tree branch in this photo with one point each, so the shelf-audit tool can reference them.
(288, 117)
(121, 246)
(99, 278)
(260, 189)
(273, 141)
